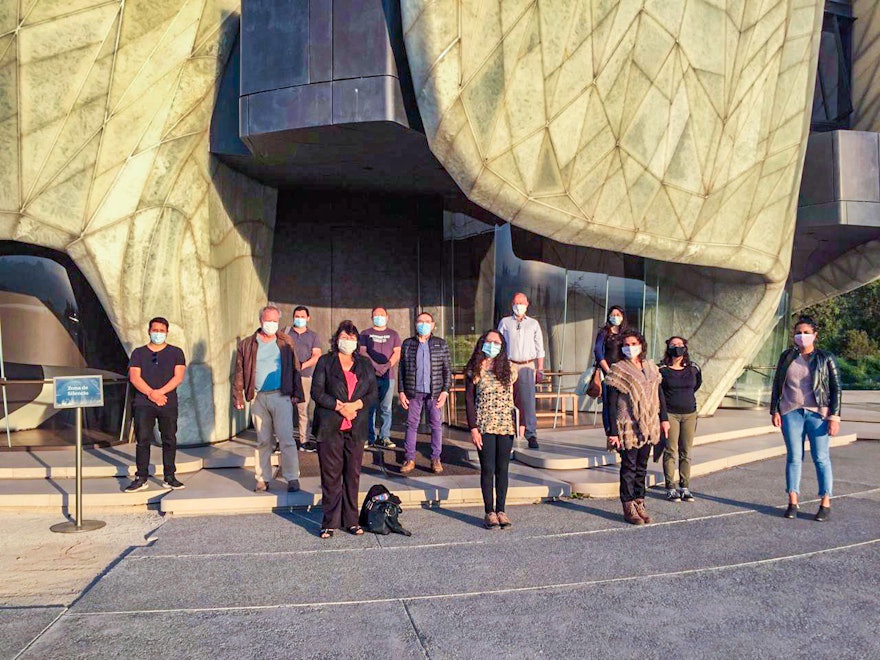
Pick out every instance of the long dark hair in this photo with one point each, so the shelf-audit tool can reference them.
(349, 328)
(668, 359)
(501, 367)
(624, 324)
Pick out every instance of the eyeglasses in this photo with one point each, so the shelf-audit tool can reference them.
(155, 357)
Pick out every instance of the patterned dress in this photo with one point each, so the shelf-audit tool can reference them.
(494, 404)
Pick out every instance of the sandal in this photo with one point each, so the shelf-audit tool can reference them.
(326, 533)
(357, 530)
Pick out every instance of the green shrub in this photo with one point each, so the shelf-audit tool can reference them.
(857, 345)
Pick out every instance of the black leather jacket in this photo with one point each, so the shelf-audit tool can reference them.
(826, 380)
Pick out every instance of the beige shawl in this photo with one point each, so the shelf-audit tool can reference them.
(638, 407)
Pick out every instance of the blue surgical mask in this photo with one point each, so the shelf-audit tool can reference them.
(380, 321)
(299, 323)
(424, 329)
(158, 338)
(491, 350)
(615, 320)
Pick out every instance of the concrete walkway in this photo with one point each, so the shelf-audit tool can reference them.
(723, 577)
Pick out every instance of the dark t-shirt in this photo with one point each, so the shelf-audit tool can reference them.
(380, 345)
(156, 369)
(679, 386)
(303, 345)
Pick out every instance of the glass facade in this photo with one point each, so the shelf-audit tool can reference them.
(51, 324)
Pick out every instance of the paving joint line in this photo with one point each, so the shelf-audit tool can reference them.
(41, 633)
(491, 592)
(449, 544)
(415, 628)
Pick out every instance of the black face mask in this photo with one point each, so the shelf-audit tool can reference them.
(676, 351)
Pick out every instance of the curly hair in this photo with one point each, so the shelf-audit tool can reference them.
(632, 332)
(501, 367)
(623, 326)
(349, 328)
(667, 358)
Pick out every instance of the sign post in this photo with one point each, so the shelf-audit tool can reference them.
(78, 392)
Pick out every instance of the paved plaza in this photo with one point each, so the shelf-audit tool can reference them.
(726, 576)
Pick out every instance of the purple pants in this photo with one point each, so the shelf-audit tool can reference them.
(414, 416)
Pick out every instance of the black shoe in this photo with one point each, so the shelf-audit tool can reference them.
(533, 443)
(823, 513)
(791, 511)
(311, 447)
(139, 483)
(385, 443)
(293, 486)
(672, 495)
(686, 495)
(172, 483)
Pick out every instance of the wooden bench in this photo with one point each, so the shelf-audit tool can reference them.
(566, 399)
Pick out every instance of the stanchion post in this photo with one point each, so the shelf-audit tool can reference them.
(78, 524)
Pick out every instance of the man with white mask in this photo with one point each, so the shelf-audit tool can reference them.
(267, 374)
(525, 348)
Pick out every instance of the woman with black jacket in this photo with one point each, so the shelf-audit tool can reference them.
(343, 385)
(805, 403)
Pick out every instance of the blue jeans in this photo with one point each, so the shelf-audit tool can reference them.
(382, 409)
(798, 425)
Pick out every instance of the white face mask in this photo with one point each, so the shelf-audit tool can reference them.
(270, 327)
(632, 351)
(347, 346)
(520, 310)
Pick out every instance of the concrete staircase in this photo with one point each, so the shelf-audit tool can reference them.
(219, 478)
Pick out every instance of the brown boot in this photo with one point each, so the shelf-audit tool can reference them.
(631, 515)
(436, 466)
(642, 511)
(408, 466)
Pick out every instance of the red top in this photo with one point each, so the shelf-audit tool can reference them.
(351, 380)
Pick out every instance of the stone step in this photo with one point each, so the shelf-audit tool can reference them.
(118, 460)
(587, 450)
(605, 482)
(60, 493)
(231, 491)
(115, 461)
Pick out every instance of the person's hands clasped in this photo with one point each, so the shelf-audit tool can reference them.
(158, 398)
(477, 438)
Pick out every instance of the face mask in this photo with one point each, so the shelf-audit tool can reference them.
(270, 327)
(632, 351)
(676, 351)
(157, 338)
(615, 320)
(299, 323)
(424, 329)
(520, 310)
(804, 340)
(492, 350)
(347, 346)
(380, 321)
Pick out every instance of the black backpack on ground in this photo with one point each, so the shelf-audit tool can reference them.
(380, 511)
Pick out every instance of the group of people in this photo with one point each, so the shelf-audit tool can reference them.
(646, 406)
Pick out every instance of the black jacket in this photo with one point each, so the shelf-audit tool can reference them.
(441, 366)
(826, 380)
(244, 379)
(328, 386)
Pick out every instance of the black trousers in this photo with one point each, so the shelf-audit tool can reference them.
(494, 463)
(145, 418)
(633, 469)
(339, 459)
